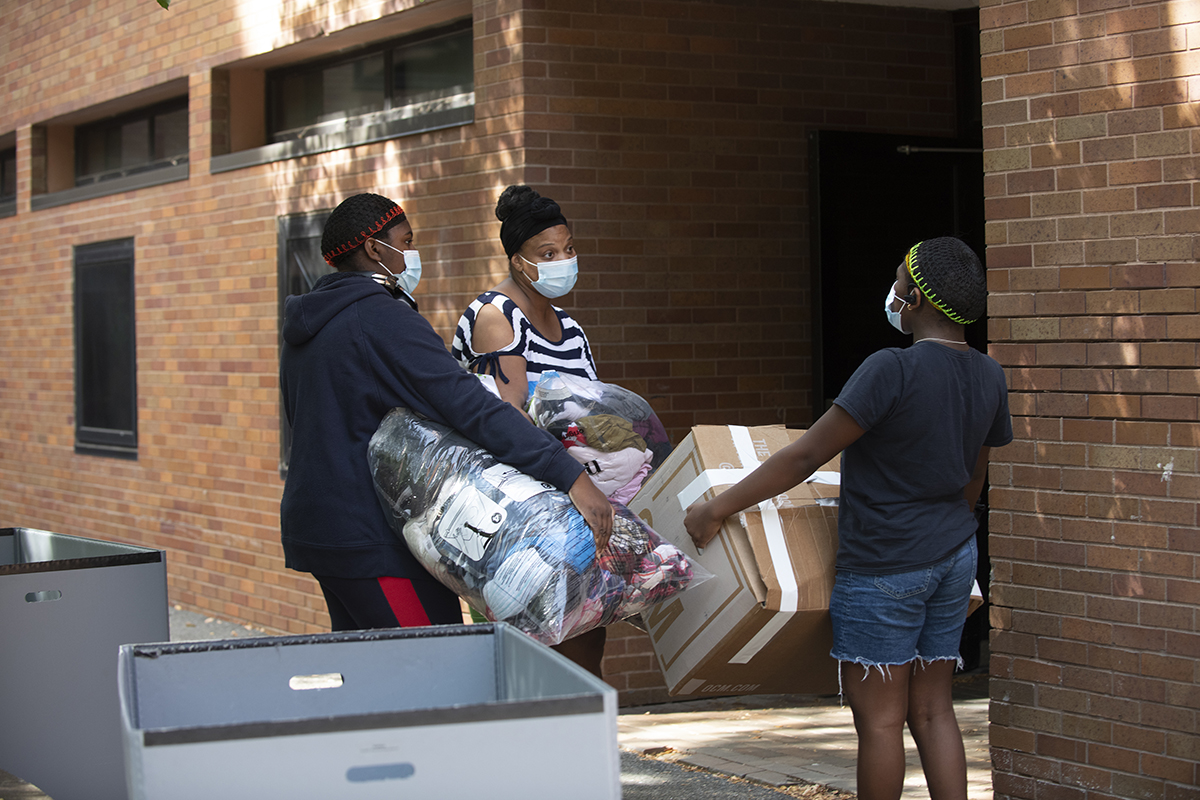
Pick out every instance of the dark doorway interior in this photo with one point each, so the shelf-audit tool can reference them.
(876, 195)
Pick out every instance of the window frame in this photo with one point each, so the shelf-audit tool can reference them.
(8, 202)
(92, 440)
(386, 48)
(149, 113)
(293, 227)
(354, 131)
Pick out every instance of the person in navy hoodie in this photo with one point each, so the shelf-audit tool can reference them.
(354, 349)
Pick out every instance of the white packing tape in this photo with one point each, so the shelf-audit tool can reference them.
(760, 639)
(827, 477)
(781, 559)
(708, 479)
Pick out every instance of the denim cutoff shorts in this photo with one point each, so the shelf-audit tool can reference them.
(881, 620)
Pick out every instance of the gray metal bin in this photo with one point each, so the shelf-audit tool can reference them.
(67, 604)
(456, 711)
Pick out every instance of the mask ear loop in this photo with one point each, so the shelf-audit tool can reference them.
(526, 274)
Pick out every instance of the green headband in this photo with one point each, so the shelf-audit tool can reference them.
(914, 270)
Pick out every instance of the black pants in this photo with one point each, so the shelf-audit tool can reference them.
(366, 603)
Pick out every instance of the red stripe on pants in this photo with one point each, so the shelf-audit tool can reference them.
(402, 597)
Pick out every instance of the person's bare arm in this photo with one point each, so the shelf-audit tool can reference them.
(829, 435)
(493, 332)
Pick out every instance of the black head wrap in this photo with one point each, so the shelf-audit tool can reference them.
(356, 219)
(523, 214)
(949, 274)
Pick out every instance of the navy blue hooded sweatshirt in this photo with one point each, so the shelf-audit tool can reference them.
(351, 354)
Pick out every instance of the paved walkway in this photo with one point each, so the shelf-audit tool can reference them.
(782, 740)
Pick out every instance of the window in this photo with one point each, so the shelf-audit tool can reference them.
(138, 141)
(300, 266)
(105, 369)
(410, 76)
(8, 175)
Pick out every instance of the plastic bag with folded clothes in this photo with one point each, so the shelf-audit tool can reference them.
(514, 547)
(609, 429)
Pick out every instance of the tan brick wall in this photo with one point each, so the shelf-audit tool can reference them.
(674, 135)
(1091, 154)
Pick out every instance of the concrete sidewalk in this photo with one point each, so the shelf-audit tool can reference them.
(784, 740)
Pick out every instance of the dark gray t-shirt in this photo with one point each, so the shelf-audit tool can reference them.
(927, 410)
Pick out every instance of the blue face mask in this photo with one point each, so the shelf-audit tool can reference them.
(894, 316)
(555, 278)
(411, 276)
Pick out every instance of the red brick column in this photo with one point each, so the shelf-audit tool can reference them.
(1091, 162)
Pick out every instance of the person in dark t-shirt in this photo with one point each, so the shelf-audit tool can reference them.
(915, 427)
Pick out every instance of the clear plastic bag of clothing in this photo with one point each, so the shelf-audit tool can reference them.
(514, 547)
(607, 428)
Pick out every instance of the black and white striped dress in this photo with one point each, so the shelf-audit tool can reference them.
(570, 355)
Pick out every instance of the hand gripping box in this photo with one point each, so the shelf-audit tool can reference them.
(761, 625)
(441, 712)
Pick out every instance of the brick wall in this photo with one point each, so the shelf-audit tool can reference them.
(674, 135)
(1091, 162)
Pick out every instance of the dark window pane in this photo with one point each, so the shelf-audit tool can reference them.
(298, 99)
(135, 143)
(8, 173)
(93, 152)
(149, 138)
(171, 134)
(334, 92)
(105, 377)
(434, 68)
(354, 88)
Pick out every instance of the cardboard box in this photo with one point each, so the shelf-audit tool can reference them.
(761, 625)
(67, 604)
(976, 601)
(455, 711)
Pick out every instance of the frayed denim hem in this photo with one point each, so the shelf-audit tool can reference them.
(886, 669)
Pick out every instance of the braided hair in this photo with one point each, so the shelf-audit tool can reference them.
(356, 219)
(950, 276)
(523, 214)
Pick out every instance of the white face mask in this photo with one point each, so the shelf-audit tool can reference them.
(555, 278)
(411, 276)
(894, 316)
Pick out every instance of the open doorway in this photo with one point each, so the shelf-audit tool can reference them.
(876, 195)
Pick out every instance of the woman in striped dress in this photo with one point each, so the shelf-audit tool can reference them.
(513, 329)
(515, 333)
